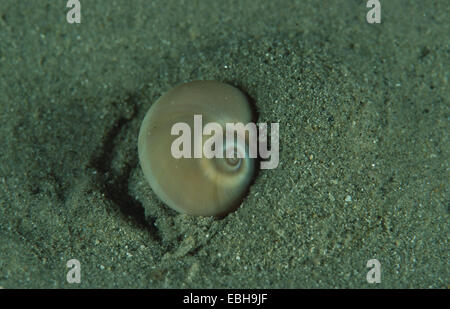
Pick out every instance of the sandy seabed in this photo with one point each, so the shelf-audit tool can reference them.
(364, 121)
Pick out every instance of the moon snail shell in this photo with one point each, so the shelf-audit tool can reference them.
(196, 186)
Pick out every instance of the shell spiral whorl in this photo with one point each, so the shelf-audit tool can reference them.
(197, 186)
